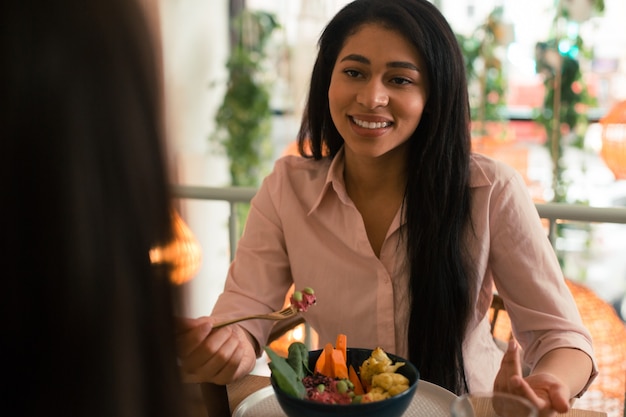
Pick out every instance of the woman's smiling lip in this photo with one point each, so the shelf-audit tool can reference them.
(369, 122)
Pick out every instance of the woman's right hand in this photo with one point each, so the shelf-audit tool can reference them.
(220, 356)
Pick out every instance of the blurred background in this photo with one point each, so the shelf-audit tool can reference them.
(526, 61)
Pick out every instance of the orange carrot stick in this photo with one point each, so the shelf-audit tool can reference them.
(338, 364)
(356, 381)
(342, 345)
(325, 357)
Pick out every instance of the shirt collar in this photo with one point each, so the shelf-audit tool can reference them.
(334, 181)
(478, 177)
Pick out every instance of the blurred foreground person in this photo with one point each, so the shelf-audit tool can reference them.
(88, 319)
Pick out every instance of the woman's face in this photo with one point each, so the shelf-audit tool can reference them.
(378, 91)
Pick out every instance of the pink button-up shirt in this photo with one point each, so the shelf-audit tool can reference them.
(304, 229)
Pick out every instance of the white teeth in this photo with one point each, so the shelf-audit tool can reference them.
(371, 125)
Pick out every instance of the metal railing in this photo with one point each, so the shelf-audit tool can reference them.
(561, 212)
(231, 195)
(553, 212)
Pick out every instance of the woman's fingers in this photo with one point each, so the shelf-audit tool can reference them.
(514, 360)
(236, 358)
(543, 390)
(510, 366)
(185, 324)
(553, 394)
(192, 333)
(219, 355)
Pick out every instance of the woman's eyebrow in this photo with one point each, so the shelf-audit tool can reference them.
(395, 64)
(357, 58)
(403, 64)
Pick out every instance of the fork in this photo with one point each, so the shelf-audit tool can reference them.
(285, 313)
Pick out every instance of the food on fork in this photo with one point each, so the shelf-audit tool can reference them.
(304, 299)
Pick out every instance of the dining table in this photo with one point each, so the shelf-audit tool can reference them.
(243, 388)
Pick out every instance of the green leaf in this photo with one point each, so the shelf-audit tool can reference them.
(284, 375)
(299, 359)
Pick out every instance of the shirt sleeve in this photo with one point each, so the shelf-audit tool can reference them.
(527, 275)
(259, 276)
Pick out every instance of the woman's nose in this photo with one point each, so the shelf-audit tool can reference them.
(373, 95)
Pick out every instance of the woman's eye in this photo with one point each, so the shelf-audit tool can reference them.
(352, 73)
(400, 81)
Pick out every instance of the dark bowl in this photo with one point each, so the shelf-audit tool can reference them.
(391, 407)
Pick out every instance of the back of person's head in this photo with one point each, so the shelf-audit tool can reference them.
(427, 30)
(88, 319)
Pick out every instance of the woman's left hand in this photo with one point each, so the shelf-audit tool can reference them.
(549, 394)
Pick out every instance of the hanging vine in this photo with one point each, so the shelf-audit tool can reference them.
(482, 51)
(564, 111)
(244, 117)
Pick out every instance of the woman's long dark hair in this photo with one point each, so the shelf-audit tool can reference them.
(437, 200)
(88, 320)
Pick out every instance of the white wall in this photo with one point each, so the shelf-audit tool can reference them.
(195, 48)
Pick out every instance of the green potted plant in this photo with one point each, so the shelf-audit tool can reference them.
(566, 101)
(243, 121)
(563, 114)
(483, 51)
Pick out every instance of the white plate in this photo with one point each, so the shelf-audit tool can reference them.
(430, 400)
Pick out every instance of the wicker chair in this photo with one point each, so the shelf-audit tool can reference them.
(608, 333)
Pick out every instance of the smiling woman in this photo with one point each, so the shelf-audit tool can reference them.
(398, 227)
